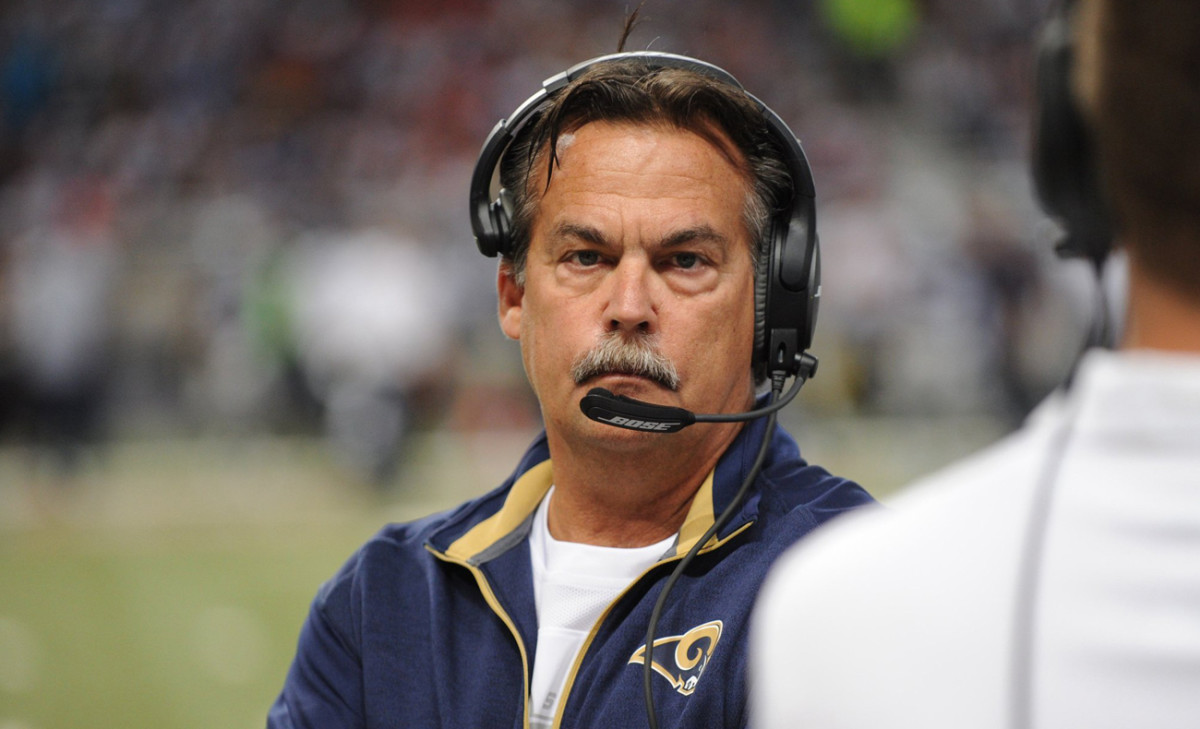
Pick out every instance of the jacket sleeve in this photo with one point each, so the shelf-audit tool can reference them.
(324, 686)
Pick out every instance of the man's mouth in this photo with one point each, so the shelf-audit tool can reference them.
(635, 357)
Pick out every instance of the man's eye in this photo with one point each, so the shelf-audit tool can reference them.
(686, 260)
(587, 258)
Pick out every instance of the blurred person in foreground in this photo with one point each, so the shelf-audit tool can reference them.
(1052, 580)
(640, 194)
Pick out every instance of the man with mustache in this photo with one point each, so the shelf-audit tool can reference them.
(640, 198)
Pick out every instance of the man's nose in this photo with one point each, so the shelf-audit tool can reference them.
(632, 298)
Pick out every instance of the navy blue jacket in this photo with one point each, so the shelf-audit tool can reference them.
(432, 623)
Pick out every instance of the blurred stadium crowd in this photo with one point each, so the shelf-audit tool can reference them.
(244, 216)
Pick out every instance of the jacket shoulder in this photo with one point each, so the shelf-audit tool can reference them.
(791, 486)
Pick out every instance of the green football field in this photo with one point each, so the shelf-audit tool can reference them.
(164, 586)
(152, 627)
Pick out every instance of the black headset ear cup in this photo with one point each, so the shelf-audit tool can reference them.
(790, 292)
(1064, 167)
(500, 215)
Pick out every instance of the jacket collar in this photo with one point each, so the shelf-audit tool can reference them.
(489, 527)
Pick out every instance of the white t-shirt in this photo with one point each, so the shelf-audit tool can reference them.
(573, 584)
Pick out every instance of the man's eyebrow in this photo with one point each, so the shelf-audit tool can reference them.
(697, 234)
(586, 233)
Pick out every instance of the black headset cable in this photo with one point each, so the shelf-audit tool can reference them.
(777, 380)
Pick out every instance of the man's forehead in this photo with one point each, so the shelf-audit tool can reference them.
(642, 158)
(657, 178)
(700, 128)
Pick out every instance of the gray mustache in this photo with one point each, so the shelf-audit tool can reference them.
(616, 354)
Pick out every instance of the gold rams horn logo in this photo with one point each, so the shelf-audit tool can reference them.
(681, 658)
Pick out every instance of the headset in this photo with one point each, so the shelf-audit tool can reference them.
(1064, 164)
(1065, 174)
(788, 288)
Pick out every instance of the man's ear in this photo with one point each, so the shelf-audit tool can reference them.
(511, 297)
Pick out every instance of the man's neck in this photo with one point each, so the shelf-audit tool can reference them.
(1160, 316)
(631, 499)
